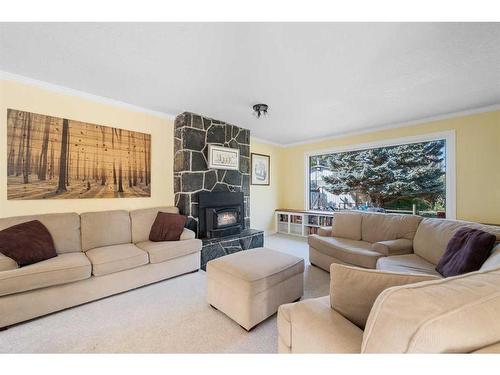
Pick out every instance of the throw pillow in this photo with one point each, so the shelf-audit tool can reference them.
(27, 243)
(466, 252)
(167, 227)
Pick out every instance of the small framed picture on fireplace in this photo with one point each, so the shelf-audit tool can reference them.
(223, 157)
(260, 169)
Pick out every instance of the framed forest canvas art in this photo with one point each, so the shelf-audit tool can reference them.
(51, 158)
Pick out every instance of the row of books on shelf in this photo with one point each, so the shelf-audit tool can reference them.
(309, 230)
(312, 230)
(322, 221)
(294, 219)
(283, 218)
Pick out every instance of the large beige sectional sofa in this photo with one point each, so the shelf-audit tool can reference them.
(389, 242)
(371, 311)
(387, 297)
(99, 254)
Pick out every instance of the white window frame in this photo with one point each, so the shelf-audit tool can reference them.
(448, 136)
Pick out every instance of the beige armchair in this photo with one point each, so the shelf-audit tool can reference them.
(371, 311)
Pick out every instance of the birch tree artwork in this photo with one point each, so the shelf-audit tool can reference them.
(50, 157)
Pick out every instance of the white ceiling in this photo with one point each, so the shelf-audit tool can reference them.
(320, 79)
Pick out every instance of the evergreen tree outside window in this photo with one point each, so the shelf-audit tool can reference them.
(400, 178)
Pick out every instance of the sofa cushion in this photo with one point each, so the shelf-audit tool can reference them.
(358, 253)
(62, 269)
(347, 225)
(255, 270)
(166, 250)
(7, 263)
(142, 220)
(312, 326)
(325, 231)
(466, 252)
(452, 315)
(167, 227)
(408, 263)
(490, 349)
(105, 228)
(353, 290)
(27, 243)
(187, 234)
(393, 247)
(116, 258)
(377, 227)
(433, 236)
(493, 261)
(64, 229)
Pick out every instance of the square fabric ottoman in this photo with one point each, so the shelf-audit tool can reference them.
(250, 285)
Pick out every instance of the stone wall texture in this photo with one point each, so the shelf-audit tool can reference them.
(193, 134)
(218, 247)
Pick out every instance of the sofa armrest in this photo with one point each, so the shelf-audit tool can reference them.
(187, 234)
(393, 247)
(312, 326)
(325, 231)
(353, 290)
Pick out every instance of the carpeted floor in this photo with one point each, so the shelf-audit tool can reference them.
(171, 316)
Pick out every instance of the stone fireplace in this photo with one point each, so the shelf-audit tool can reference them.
(193, 135)
(216, 201)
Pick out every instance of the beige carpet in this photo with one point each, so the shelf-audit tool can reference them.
(167, 317)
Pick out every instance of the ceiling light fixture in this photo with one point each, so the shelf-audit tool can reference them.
(260, 109)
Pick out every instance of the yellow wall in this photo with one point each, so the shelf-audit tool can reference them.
(477, 163)
(34, 99)
(477, 158)
(265, 199)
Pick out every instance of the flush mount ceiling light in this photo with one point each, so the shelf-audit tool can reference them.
(260, 109)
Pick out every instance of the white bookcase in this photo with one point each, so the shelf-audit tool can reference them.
(301, 223)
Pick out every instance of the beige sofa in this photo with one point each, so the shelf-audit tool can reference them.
(390, 242)
(99, 254)
(370, 311)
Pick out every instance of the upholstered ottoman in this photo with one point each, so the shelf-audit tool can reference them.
(250, 285)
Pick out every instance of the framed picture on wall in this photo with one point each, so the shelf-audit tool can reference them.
(261, 169)
(223, 157)
(52, 157)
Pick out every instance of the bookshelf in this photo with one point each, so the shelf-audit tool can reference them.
(301, 222)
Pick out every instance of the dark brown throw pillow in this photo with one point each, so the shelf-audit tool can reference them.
(466, 252)
(167, 227)
(27, 243)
